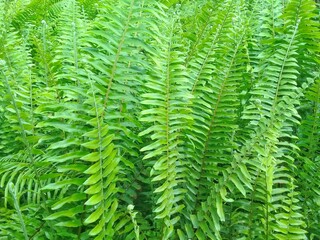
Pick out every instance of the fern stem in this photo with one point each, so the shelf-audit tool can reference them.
(44, 46)
(100, 150)
(213, 43)
(167, 99)
(275, 101)
(115, 63)
(14, 103)
(16, 205)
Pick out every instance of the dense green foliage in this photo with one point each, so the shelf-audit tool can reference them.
(145, 119)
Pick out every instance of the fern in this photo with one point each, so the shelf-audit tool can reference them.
(216, 94)
(168, 94)
(309, 145)
(276, 165)
(159, 119)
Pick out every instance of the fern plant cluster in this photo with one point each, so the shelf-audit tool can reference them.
(145, 119)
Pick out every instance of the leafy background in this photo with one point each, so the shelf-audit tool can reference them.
(164, 119)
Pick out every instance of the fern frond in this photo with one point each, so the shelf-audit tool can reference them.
(167, 97)
(119, 45)
(102, 181)
(18, 144)
(273, 167)
(309, 143)
(213, 88)
(35, 11)
(215, 108)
